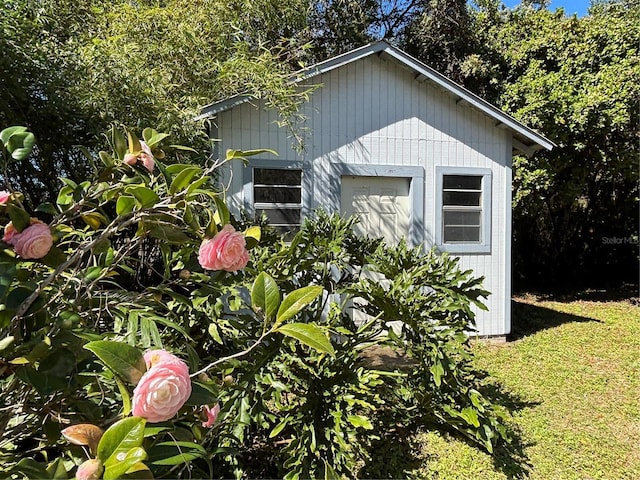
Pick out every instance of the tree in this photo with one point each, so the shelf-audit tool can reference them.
(70, 69)
(578, 81)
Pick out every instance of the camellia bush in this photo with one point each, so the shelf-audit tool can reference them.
(145, 333)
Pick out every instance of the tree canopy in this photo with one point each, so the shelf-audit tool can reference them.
(71, 69)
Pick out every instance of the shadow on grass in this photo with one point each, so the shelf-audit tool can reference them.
(527, 319)
(399, 454)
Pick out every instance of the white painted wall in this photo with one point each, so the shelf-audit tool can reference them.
(374, 112)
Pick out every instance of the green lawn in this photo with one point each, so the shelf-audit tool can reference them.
(572, 379)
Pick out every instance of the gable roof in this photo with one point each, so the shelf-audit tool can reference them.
(525, 139)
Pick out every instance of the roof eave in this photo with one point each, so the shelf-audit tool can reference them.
(423, 71)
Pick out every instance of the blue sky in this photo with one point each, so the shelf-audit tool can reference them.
(570, 6)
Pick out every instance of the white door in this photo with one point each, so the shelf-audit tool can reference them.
(381, 203)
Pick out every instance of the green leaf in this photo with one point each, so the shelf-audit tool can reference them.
(121, 463)
(119, 439)
(19, 217)
(360, 421)
(134, 143)
(126, 399)
(296, 301)
(278, 428)
(19, 143)
(145, 196)
(106, 158)
(151, 136)
(124, 360)
(8, 268)
(470, 416)
(6, 342)
(265, 295)
(183, 148)
(223, 211)
(9, 131)
(56, 470)
(329, 472)
(437, 371)
(183, 179)
(242, 154)
(119, 142)
(47, 208)
(166, 231)
(94, 219)
(252, 237)
(30, 468)
(54, 258)
(125, 204)
(175, 453)
(202, 394)
(309, 334)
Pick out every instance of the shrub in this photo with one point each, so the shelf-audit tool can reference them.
(240, 357)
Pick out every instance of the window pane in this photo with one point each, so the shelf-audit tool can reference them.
(277, 195)
(280, 216)
(459, 219)
(461, 234)
(277, 176)
(461, 198)
(462, 182)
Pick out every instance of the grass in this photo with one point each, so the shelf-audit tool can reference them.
(573, 376)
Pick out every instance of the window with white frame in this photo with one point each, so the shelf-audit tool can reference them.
(464, 202)
(277, 193)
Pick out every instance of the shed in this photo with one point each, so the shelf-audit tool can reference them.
(414, 154)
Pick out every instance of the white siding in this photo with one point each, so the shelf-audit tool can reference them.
(374, 112)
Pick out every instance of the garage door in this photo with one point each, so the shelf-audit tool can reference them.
(381, 203)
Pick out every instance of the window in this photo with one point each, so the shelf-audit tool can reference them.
(461, 208)
(464, 200)
(277, 193)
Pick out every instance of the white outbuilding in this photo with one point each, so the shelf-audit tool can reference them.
(414, 154)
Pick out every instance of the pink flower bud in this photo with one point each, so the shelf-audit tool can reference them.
(226, 251)
(9, 232)
(4, 197)
(130, 159)
(90, 470)
(147, 157)
(211, 413)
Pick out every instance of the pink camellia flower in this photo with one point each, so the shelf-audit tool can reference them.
(211, 413)
(90, 470)
(130, 159)
(34, 241)
(226, 251)
(147, 157)
(163, 389)
(4, 197)
(9, 233)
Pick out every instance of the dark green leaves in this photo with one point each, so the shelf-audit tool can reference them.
(124, 360)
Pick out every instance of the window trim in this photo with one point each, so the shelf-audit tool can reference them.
(484, 246)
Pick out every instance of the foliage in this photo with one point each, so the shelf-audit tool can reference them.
(275, 344)
(577, 81)
(71, 69)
